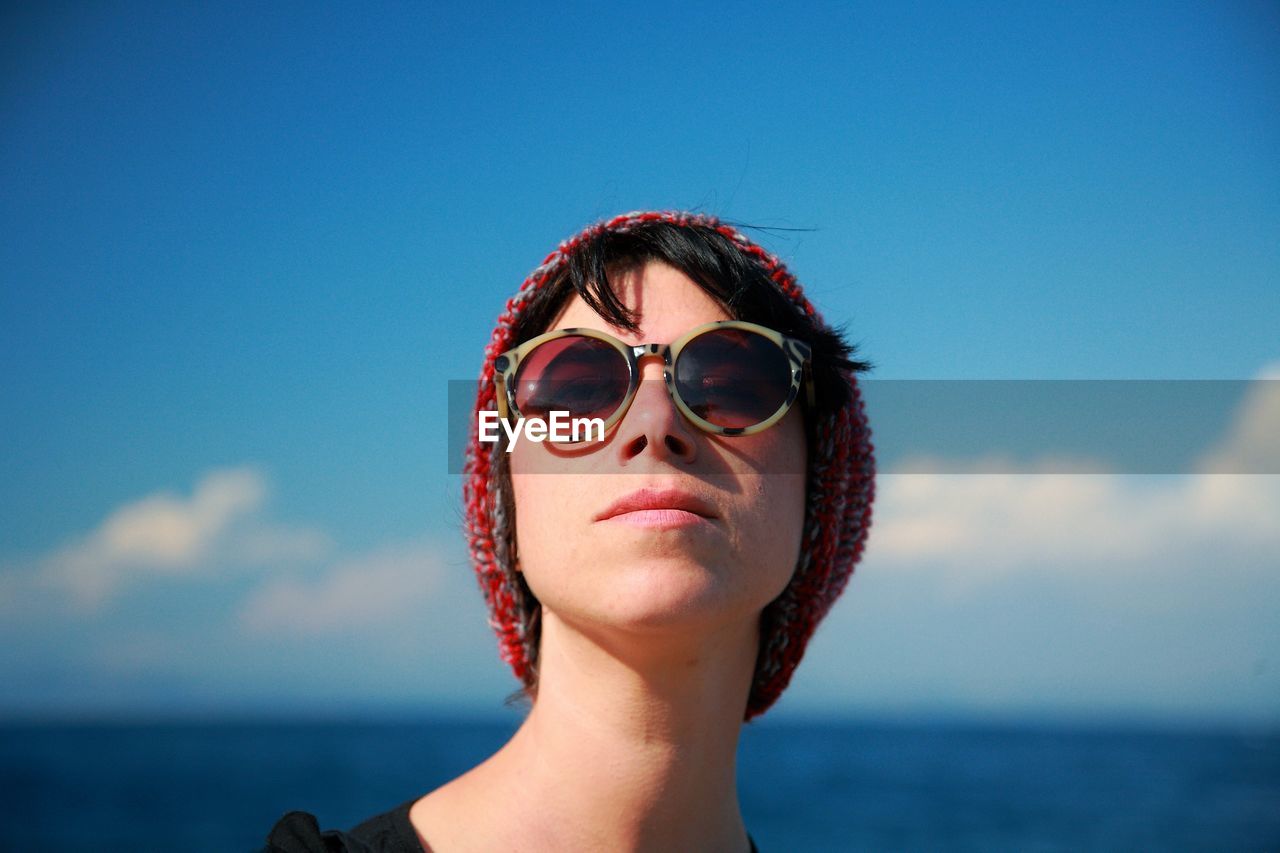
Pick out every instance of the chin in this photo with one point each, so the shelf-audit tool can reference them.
(671, 592)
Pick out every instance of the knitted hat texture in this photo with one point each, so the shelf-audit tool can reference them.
(840, 488)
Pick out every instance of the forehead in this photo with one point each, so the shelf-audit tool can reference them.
(667, 302)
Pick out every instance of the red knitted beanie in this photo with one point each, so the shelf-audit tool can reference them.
(841, 487)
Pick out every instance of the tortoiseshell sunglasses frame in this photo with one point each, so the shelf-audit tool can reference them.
(798, 355)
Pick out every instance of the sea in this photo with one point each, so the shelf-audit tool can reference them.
(219, 785)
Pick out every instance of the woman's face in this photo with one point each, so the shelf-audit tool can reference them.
(721, 536)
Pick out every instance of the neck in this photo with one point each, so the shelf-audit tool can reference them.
(632, 745)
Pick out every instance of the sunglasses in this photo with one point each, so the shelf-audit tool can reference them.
(728, 378)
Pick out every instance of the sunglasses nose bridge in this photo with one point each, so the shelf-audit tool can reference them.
(645, 352)
(642, 352)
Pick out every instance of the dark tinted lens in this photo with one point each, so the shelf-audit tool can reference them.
(583, 376)
(733, 377)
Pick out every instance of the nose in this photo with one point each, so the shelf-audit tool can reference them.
(653, 425)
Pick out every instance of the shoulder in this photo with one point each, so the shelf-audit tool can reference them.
(389, 832)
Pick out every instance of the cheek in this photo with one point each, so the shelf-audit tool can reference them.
(771, 535)
(540, 500)
(552, 542)
(537, 499)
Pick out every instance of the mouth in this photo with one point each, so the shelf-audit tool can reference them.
(658, 508)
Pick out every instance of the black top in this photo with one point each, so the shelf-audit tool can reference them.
(389, 832)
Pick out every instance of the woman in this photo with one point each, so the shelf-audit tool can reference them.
(653, 588)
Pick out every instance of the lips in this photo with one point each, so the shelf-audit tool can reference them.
(643, 500)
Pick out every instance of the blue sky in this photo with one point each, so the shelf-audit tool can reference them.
(246, 248)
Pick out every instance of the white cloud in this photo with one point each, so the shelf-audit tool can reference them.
(971, 528)
(356, 594)
(1252, 443)
(167, 534)
(1012, 521)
